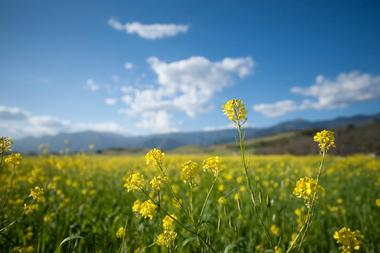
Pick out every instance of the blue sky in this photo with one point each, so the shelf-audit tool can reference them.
(140, 67)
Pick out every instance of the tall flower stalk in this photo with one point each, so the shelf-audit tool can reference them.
(308, 189)
(235, 110)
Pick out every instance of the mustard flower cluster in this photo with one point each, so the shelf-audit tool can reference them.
(235, 110)
(146, 209)
(325, 140)
(305, 188)
(120, 233)
(13, 159)
(189, 169)
(154, 157)
(350, 241)
(5, 144)
(167, 237)
(213, 165)
(157, 182)
(37, 194)
(134, 182)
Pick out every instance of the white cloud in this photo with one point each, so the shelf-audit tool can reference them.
(110, 101)
(17, 123)
(189, 85)
(186, 86)
(128, 65)
(276, 109)
(157, 122)
(149, 31)
(91, 85)
(346, 89)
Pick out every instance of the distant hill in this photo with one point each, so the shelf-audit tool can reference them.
(349, 140)
(81, 140)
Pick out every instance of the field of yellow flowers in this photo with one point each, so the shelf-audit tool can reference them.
(190, 203)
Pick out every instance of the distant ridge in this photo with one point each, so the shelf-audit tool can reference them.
(80, 141)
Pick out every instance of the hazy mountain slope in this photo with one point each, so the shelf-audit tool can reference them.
(80, 141)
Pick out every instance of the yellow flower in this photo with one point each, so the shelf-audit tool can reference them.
(222, 201)
(378, 202)
(168, 223)
(14, 159)
(157, 182)
(305, 188)
(213, 165)
(5, 144)
(154, 157)
(277, 249)
(30, 208)
(349, 240)
(120, 233)
(166, 238)
(221, 187)
(325, 140)
(134, 182)
(136, 206)
(37, 194)
(189, 169)
(148, 209)
(235, 110)
(275, 230)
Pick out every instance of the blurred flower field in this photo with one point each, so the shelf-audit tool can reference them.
(84, 195)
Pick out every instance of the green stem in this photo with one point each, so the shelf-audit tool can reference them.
(309, 216)
(249, 185)
(205, 201)
(180, 223)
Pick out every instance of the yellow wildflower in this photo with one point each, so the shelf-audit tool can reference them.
(277, 249)
(120, 233)
(14, 159)
(154, 157)
(166, 238)
(37, 194)
(305, 188)
(213, 165)
(148, 209)
(157, 182)
(30, 208)
(222, 201)
(275, 230)
(235, 110)
(134, 182)
(325, 140)
(168, 223)
(349, 240)
(378, 202)
(189, 169)
(136, 206)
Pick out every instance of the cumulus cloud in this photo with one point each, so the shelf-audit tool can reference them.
(128, 65)
(110, 101)
(346, 89)
(157, 122)
(186, 86)
(91, 85)
(17, 123)
(149, 31)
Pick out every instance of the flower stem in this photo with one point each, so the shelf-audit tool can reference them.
(249, 185)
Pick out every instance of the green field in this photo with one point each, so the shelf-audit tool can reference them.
(84, 200)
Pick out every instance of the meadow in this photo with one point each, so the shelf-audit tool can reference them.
(190, 203)
(84, 196)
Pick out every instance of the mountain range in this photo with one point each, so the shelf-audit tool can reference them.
(80, 141)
